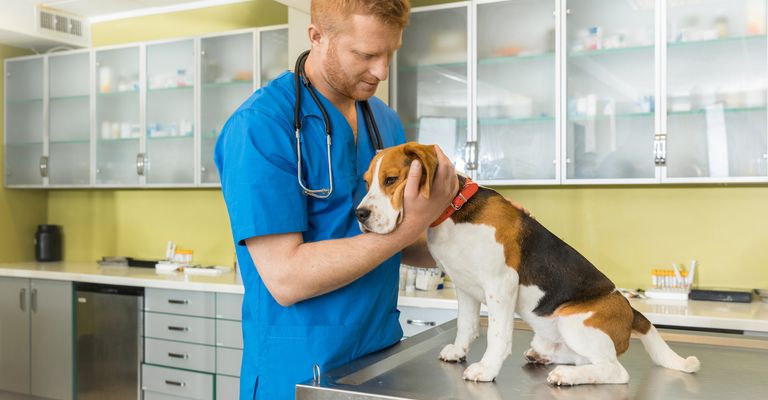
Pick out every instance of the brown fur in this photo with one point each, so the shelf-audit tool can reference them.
(612, 314)
(398, 164)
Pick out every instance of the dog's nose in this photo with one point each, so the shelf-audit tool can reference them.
(363, 214)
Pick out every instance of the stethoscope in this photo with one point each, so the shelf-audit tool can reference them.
(370, 122)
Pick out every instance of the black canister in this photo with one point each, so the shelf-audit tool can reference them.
(48, 243)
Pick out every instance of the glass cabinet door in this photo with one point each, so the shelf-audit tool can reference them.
(24, 162)
(118, 124)
(432, 91)
(274, 53)
(516, 92)
(611, 90)
(716, 89)
(226, 64)
(170, 113)
(69, 145)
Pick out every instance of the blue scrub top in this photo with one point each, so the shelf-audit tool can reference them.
(256, 158)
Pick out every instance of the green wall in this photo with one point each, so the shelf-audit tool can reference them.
(626, 231)
(20, 210)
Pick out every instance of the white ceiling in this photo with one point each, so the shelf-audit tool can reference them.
(113, 9)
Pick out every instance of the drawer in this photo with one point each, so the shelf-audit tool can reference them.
(160, 396)
(180, 355)
(229, 334)
(181, 328)
(184, 302)
(227, 388)
(229, 306)
(415, 320)
(174, 382)
(228, 361)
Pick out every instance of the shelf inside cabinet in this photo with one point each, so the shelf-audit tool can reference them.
(731, 39)
(117, 94)
(412, 68)
(23, 101)
(177, 137)
(618, 50)
(514, 59)
(170, 89)
(214, 85)
(65, 98)
(24, 144)
(75, 141)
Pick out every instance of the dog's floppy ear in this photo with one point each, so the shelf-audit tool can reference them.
(427, 155)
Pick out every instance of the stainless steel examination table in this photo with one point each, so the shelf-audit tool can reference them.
(733, 367)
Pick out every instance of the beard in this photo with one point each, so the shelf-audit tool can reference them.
(340, 81)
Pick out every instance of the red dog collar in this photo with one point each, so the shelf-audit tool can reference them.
(467, 191)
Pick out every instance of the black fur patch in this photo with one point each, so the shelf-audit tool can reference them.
(546, 261)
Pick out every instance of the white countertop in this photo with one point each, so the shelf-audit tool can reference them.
(749, 317)
(92, 272)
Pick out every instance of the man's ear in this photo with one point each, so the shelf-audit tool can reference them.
(427, 156)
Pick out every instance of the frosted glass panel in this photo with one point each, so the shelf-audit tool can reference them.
(227, 76)
(24, 121)
(118, 126)
(432, 85)
(610, 90)
(717, 77)
(516, 90)
(274, 54)
(69, 128)
(170, 112)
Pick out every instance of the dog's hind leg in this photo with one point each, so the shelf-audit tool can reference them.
(500, 297)
(592, 344)
(468, 328)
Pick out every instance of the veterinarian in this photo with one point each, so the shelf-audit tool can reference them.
(317, 290)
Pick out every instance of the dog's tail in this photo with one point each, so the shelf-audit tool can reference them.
(658, 349)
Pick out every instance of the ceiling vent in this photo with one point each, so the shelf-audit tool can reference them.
(56, 22)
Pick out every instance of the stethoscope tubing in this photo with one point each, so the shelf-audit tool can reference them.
(370, 122)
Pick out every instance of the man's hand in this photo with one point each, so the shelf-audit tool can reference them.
(421, 211)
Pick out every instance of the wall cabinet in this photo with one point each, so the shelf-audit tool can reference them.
(139, 115)
(589, 91)
(36, 337)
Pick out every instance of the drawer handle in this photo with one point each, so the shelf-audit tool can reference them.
(178, 355)
(178, 328)
(174, 301)
(419, 322)
(175, 383)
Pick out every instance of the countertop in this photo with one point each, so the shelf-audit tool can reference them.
(748, 317)
(92, 272)
(730, 368)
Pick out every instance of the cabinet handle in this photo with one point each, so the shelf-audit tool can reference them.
(419, 322)
(175, 383)
(33, 301)
(178, 355)
(44, 166)
(23, 299)
(141, 164)
(470, 156)
(174, 301)
(660, 149)
(178, 328)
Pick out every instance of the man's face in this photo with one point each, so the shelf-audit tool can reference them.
(356, 57)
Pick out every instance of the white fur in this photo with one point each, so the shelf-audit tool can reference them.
(384, 217)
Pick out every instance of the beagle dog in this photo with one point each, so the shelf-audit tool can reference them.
(499, 256)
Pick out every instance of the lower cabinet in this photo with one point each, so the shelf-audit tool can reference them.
(415, 320)
(192, 345)
(36, 352)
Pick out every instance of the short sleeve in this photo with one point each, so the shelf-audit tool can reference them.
(256, 160)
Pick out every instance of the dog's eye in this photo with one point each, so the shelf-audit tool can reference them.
(390, 180)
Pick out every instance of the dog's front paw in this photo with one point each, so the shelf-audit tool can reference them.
(562, 376)
(533, 357)
(480, 372)
(453, 353)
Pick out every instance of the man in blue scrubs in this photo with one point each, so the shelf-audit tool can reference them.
(317, 290)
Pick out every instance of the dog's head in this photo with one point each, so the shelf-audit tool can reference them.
(382, 207)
